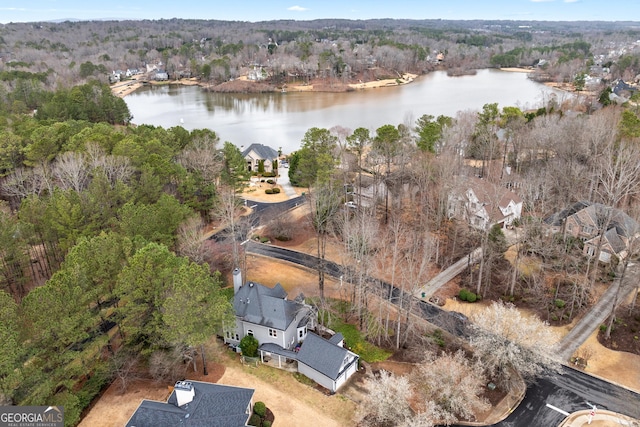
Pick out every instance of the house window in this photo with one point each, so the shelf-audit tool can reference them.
(591, 250)
(273, 333)
(301, 333)
(587, 230)
(249, 332)
(237, 337)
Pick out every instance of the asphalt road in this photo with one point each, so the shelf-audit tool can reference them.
(569, 390)
(261, 214)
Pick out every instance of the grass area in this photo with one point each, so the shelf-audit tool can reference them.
(356, 341)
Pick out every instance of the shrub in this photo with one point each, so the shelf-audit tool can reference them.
(463, 294)
(603, 328)
(438, 338)
(268, 191)
(260, 409)
(275, 190)
(559, 303)
(249, 346)
(264, 240)
(255, 420)
(270, 181)
(471, 297)
(266, 423)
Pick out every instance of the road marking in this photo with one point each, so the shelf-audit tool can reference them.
(565, 413)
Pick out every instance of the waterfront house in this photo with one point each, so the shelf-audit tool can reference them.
(257, 153)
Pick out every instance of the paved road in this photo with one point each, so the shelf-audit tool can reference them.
(261, 214)
(568, 390)
(598, 314)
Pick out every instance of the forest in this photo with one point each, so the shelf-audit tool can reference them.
(91, 288)
(43, 56)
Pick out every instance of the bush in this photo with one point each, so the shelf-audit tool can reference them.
(466, 295)
(268, 191)
(249, 346)
(255, 420)
(270, 181)
(275, 190)
(603, 328)
(266, 423)
(559, 303)
(260, 409)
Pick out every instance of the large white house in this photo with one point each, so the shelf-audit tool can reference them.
(283, 330)
(483, 204)
(266, 314)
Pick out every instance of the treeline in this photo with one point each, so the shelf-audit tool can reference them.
(101, 266)
(91, 102)
(66, 54)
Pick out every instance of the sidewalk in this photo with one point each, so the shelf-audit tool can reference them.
(600, 419)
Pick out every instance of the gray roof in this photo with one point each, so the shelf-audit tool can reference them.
(322, 356)
(213, 405)
(263, 151)
(336, 339)
(276, 349)
(255, 303)
(558, 218)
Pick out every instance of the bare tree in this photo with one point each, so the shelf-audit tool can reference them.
(70, 171)
(228, 211)
(191, 240)
(619, 179)
(387, 401)
(202, 156)
(503, 338)
(325, 203)
(454, 384)
(125, 366)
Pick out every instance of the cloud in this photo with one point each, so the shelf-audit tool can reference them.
(297, 8)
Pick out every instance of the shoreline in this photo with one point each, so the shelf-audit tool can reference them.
(122, 89)
(127, 87)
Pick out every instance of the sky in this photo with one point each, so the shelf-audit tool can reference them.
(265, 10)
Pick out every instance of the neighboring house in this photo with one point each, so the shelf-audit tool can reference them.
(256, 153)
(161, 75)
(584, 220)
(197, 404)
(282, 328)
(483, 204)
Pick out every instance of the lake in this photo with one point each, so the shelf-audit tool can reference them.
(281, 119)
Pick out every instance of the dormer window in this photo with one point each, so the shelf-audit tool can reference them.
(273, 333)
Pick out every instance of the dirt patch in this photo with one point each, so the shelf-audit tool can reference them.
(289, 400)
(625, 333)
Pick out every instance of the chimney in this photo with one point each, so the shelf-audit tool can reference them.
(184, 392)
(237, 280)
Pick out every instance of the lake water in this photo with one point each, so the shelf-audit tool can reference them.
(281, 119)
